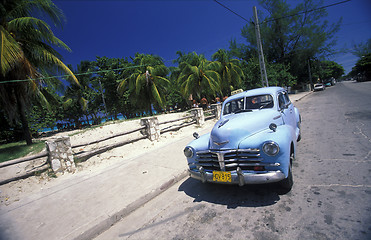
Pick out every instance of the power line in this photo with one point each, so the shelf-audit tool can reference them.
(77, 74)
(232, 11)
(274, 19)
(311, 10)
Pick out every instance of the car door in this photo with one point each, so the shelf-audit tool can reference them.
(287, 109)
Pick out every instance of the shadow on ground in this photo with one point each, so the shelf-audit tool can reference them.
(232, 196)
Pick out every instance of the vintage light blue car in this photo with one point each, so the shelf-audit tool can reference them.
(253, 142)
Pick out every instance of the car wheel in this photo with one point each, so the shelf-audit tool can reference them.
(287, 183)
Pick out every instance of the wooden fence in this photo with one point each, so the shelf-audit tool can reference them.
(84, 155)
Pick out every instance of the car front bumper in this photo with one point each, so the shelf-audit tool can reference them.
(241, 178)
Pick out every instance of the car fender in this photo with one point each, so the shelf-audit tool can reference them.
(298, 122)
(283, 136)
(201, 143)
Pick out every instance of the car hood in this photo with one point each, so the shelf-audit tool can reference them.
(231, 129)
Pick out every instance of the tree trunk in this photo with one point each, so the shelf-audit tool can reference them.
(150, 109)
(22, 114)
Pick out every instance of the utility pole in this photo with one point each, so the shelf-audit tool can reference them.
(310, 75)
(263, 71)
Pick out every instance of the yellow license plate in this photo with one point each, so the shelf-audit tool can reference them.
(220, 176)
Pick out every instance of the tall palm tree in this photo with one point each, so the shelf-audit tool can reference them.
(27, 50)
(147, 83)
(231, 73)
(198, 76)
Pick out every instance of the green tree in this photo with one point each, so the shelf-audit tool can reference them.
(251, 69)
(198, 76)
(174, 96)
(77, 96)
(147, 84)
(111, 71)
(278, 74)
(230, 72)
(290, 35)
(331, 69)
(27, 53)
(362, 69)
(362, 49)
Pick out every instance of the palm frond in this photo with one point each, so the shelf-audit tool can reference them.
(11, 53)
(54, 60)
(156, 95)
(41, 97)
(83, 103)
(139, 81)
(164, 80)
(22, 24)
(67, 103)
(26, 8)
(122, 85)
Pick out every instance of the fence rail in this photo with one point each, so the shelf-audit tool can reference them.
(107, 138)
(45, 166)
(23, 159)
(84, 155)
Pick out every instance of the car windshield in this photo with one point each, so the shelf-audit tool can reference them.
(234, 106)
(248, 104)
(259, 102)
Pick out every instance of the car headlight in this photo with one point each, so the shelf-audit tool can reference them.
(271, 148)
(188, 152)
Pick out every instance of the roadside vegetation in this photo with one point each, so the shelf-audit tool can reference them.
(140, 85)
(19, 149)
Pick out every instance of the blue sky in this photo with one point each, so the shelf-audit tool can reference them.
(119, 29)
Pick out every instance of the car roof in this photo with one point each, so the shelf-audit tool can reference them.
(258, 91)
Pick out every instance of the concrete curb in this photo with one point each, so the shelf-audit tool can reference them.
(104, 225)
(304, 95)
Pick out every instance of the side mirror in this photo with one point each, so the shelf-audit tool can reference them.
(196, 135)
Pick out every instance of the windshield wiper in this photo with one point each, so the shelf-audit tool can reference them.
(243, 110)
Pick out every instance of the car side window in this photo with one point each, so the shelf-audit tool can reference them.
(281, 101)
(287, 99)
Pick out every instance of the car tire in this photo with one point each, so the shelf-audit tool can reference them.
(287, 183)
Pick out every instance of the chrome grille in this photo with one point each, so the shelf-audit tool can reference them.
(228, 160)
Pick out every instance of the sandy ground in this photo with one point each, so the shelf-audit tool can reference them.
(14, 191)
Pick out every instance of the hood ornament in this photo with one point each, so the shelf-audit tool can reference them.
(222, 123)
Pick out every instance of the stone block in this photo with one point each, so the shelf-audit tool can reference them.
(60, 154)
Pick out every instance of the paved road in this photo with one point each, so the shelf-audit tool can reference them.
(330, 198)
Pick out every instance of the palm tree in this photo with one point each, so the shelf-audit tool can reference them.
(147, 83)
(231, 73)
(26, 51)
(198, 76)
(76, 95)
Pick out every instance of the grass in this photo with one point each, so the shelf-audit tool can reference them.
(19, 149)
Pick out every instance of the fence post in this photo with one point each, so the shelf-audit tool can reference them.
(60, 154)
(198, 115)
(217, 109)
(152, 128)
